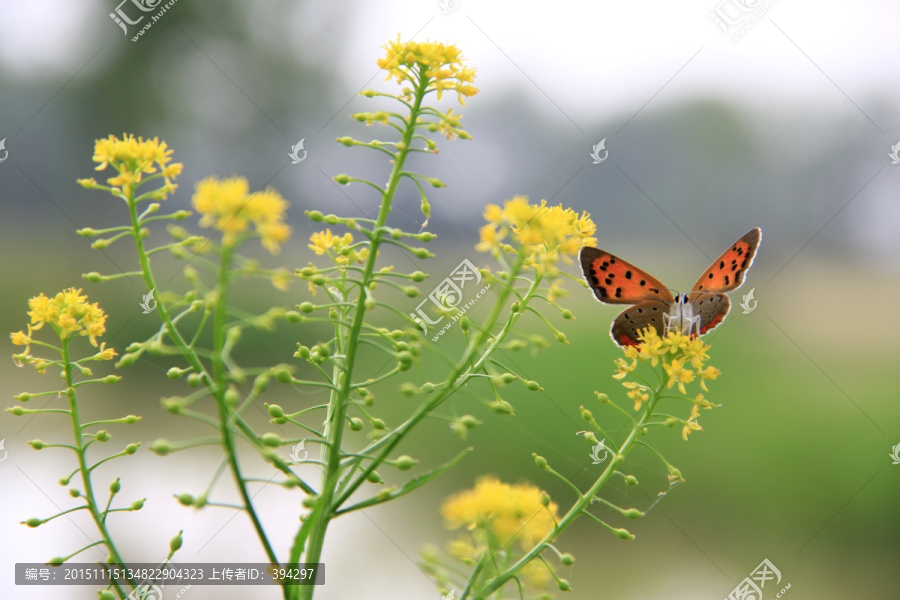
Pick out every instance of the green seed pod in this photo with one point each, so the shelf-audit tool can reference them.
(271, 439)
(131, 448)
(185, 499)
(275, 410)
(540, 461)
(33, 522)
(405, 462)
(176, 543)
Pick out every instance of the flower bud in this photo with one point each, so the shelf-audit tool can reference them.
(115, 486)
(405, 462)
(36, 444)
(185, 499)
(232, 397)
(540, 461)
(131, 448)
(315, 215)
(131, 419)
(544, 498)
(176, 543)
(374, 477)
(275, 410)
(563, 585)
(418, 276)
(33, 522)
(633, 513)
(282, 375)
(623, 534)
(501, 407)
(271, 439)
(567, 559)
(356, 424)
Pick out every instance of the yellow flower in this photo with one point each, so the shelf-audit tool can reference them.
(133, 158)
(691, 424)
(337, 247)
(68, 312)
(228, 205)
(678, 374)
(106, 353)
(544, 233)
(438, 66)
(675, 351)
(636, 392)
(503, 510)
(19, 338)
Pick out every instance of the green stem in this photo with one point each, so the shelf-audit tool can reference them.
(325, 508)
(191, 356)
(84, 470)
(577, 509)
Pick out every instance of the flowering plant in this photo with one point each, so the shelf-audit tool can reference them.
(505, 528)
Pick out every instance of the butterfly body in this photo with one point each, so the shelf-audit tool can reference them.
(615, 281)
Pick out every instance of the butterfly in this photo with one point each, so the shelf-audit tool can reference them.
(615, 281)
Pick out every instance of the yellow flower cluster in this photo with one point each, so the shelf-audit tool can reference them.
(340, 248)
(683, 359)
(440, 65)
(503, 510)
(133, 158)
(545, 233)
(228, 205)
(68, 313)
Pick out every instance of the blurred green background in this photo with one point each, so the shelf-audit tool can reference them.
(788, 128)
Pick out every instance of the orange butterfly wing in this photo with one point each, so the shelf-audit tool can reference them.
(616, 281)
(728, 271)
